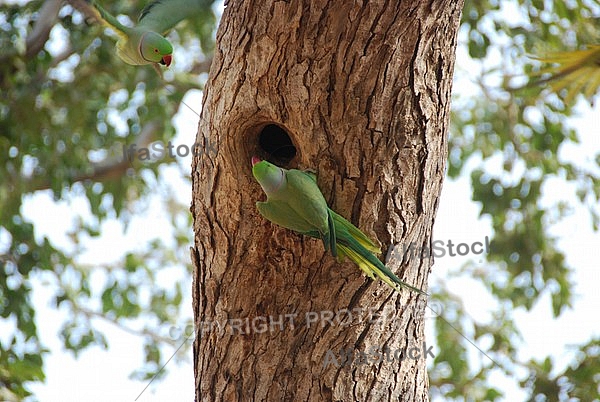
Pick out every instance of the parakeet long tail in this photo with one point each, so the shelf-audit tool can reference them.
(354, 244)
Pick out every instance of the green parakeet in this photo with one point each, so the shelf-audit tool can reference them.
(578, 71)
(295, 202)
(145, 43)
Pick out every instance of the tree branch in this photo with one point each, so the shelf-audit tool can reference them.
(85, 8)
(112, 168)
(90, 314)
(38, 37)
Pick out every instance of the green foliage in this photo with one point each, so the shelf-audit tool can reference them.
(580, 381)
(67, 107)
(525, 130)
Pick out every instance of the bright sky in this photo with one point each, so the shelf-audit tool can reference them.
(99, 375)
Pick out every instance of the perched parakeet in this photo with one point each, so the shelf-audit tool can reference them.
(295, 202)
(578, 71)
(145, 43)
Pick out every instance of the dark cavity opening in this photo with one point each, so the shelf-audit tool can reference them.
(277, 144)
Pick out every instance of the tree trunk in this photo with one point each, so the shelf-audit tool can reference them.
(362, 89)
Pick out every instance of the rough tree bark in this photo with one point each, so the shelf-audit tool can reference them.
(362, 88)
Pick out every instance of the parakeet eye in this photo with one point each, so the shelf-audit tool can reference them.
(155, 50)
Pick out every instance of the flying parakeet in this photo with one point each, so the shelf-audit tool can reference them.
(295, 202)
(578, 71)
(145, 43)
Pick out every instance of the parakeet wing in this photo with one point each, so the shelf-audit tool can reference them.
(162, 15)
(279, 212)
(304, 196)
(310, 174)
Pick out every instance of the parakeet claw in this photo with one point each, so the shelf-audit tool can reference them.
(255, 160)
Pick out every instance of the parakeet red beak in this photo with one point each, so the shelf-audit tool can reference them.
(255, 160)
(166, 60)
